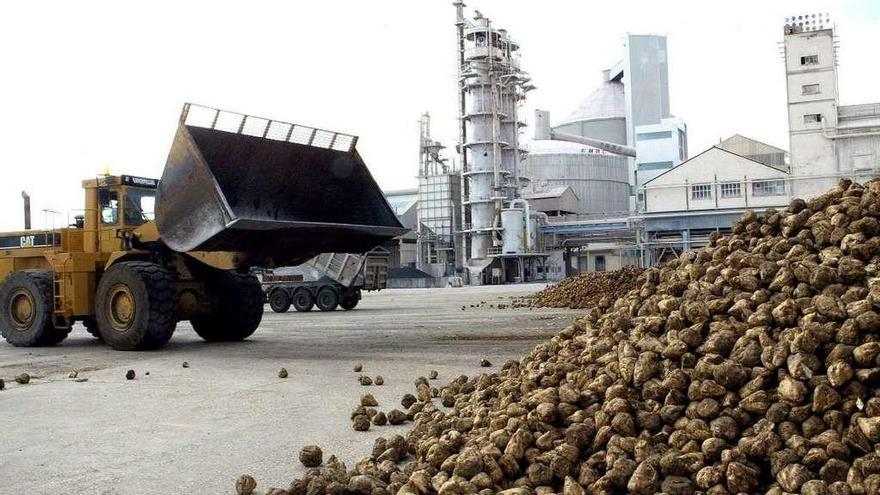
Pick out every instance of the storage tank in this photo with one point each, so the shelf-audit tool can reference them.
(532, 231)
(602, 115)
(600, 179)
(514, 231)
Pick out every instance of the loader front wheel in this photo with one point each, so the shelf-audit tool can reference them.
(279, 301)
(135, 306)
(238, 310)
(26, 298)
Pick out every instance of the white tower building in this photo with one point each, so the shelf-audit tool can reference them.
(811, 85)
(828, 140)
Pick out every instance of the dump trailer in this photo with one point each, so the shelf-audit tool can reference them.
(328, 281)
(236, 192)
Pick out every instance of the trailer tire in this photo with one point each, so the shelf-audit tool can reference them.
(349, 301)
(328, 298)
(27, 298)
(238, 311)
(303, 300)
(135, 306)
(279, 301)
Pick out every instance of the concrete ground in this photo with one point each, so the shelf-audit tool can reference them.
(196, 429)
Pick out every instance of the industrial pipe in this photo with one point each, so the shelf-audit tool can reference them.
(617, 149)
(826, 135)
(543, 131)
(27, 210)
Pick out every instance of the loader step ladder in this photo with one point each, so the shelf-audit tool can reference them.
(58, 318)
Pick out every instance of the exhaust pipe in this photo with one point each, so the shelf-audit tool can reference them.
(27, 210)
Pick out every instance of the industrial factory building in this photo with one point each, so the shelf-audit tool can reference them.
(828, 141)
(704, 194)
(629, 108)
(612, 184)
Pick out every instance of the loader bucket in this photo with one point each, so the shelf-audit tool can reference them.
(275, 192)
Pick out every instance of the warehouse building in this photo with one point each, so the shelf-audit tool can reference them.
(757, 151)
(704, 194)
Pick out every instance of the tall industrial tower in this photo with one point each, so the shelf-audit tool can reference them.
(491, 88)
(811, 82)
(438, 210)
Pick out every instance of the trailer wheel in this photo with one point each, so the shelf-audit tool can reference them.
(349, 301)
(328, 298)
(135, 306)
(279, 301)
(238, 312)
(27, 302)
(303, 300)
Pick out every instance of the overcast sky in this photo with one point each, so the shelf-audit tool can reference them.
(88, 86)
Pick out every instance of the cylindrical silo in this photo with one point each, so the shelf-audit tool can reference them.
(512, 219)
(600, 180)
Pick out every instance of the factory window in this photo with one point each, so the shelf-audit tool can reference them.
(810, 89)
(810, 60)
(701, 191)
(600, 263)
(731, 190)
(654, 166)
(682, 145)
(812, 118)
(646, 136)
(768, 188)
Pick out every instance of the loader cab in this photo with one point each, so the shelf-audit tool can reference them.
(114, 204)
(126, 206)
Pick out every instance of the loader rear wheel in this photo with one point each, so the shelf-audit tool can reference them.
(238, 311)
(328, 299)
(135, 306)
(303, 300)
(279, 301)
(26, 298)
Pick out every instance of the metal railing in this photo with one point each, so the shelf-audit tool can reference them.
(212, 118)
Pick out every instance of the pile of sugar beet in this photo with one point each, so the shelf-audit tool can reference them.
(584, 290)
(749, 366)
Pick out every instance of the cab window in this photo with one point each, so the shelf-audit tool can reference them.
(139, 206)
(109, 206)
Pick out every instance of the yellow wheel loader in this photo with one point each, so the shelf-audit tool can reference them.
(237, 192)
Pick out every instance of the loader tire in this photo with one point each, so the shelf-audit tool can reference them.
(135, 306)
(328, 298)
(26, 298)
(238, 311)
(279, 301)
(303, 300)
